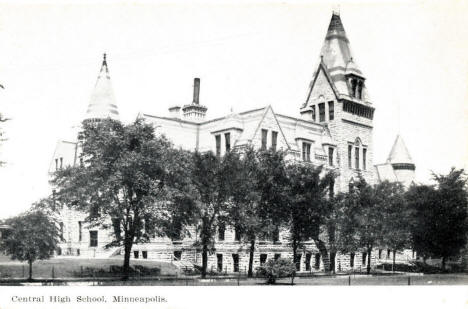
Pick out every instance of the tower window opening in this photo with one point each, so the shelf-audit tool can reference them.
(264, 139)
(350, 150)
(306, 152)
(356, 154)
(331, 110)
(227, 138)
(321, 112)
(313, 113)
(218, 145)
(364, 158)
(330, 156)
(61, 162)
(274, 139)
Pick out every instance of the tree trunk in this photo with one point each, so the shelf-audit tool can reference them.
(393, 265)
(294, 248)
(204, 260)
(30, 270)
(126, 266)
(332, 261)
(444, 260)
(369, 252)
(251, 258)
(324, 254)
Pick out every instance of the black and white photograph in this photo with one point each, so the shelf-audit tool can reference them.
(265, 146)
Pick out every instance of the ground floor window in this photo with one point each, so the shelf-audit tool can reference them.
(145, 254)
(317, 261)
(364, 257)
(351, 260)
(277, 256)
(136, 254)
(219, 258)
(235, 262)
(78, 252)
(307, 261)
(93, 238)
(263, 258)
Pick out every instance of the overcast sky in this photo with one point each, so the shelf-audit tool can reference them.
(413, 54)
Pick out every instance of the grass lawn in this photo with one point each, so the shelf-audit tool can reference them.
(66, 267)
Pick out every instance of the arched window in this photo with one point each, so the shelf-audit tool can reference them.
(353, 87)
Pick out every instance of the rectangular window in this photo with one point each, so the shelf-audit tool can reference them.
(313, 113)
(350, 150)
(351, 260)
(264, 139)
(93, 238)
(364, 258)
(78, 252)
(306, 151)
(237, 234)
(356, 155)
(178, 255)
(235, 261)
(218, 144)
(274, 139)
(136, 254)
(380, 254)
(219, 258)
(61, 162)
(330, 156)
(275, 235)
(277, 256)
(364, 158)
(221, 230)
(144, 254)
(80, 230)
(321, 112)
(331, 110)
(388, 253)
(307, 261)
(263, 258)
(56, 164)
(227, 138)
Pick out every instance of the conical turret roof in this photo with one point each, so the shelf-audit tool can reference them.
(399, 153)
(102, 103)
(336, 54)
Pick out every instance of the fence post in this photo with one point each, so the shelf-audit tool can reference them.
(409, 280)
(53, 272)
(23, 271)
(349, 280)
(238, 278)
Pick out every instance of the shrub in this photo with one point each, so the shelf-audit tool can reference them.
(275, 269)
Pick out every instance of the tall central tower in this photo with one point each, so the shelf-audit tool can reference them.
(338, 99)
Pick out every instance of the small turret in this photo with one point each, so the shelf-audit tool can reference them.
(402, 163)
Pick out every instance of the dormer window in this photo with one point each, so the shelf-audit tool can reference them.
(321, 112)
(356, 87)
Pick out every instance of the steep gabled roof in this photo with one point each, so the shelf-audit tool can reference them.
(102, 103)
(399, 152)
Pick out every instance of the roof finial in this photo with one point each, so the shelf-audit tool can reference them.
(104, 57)
(336, 9)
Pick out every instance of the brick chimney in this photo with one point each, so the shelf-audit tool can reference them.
(194, 111)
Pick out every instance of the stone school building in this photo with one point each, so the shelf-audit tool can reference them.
(333, 128)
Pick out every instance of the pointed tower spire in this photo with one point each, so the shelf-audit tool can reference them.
(399, 153)
(102, 103)
(336, 55)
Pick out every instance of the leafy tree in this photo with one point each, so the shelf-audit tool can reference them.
(244, 208)
(129, 180)
(396, 214)
(440, 216)
(33, 236)
(361, 224)
(211, 178)
(308, 207)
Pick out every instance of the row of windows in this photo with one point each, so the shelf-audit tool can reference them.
(321, 110)
(227, 143)
(358, 109)
(357, 86)
(57, 165)
(306, 147)
(238, 234)
(356, 157)
(274, 139)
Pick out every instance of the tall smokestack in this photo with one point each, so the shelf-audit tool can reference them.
(196, 91)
